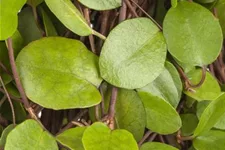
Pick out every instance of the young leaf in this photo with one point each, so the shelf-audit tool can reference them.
(58, 73)
(134, 51)
(161, 116)
(211, 115)
(220, 7)
(28, 27)
(209, 90)
(211, 140)
(99, 137)
(130, 113)
(193, 34)
(189, 123)
(8, 17)
(29, 135)
(70, 16)
(156, 146)
(167, 85)
(101, 4)
(72, 138)
(4, 135)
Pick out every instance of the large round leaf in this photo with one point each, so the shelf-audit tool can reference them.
(133, 54)
(29, 135)
(4, 135)
(70, 16)
(99, 137)
(220, 7)
(209, 90)
(58, 73)
(193, 34)
(211, 115)
(71, 138)
(167, 85)
(101, 4)
(8, 17)
(161, 116)
(156, 146)
(212, 140)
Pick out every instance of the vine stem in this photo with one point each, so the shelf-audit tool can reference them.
(17, 80)
(99, 35)
(147, 134)
(10, 101)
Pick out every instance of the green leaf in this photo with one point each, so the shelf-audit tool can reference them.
(156, 146)
(34, 3)
(189, 123)
(134, 51)
(161, 116)
(167, 85)
(58, 73)
(130, 112)
(4, 135)
(29, 135)
(70, 16)
(72, 138)
(99, 137)
(49, 27)
(193, 34)
(220, 7)
(205, 1)
(174, 3)
(209, 90)
(201, 106)
(211, 115)
(28, 27)
(211, 140)
(101, 4)
(8, 17)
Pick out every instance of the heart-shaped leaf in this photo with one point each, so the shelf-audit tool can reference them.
(161, 116)
(99, 137)
(211, 140)
(58, 73)
(30, 135)
(167, 85)
(101, 4)
(134, 51)
(72, 138)
(211, 115)
(70, 16)
(156, 146)
(8, 17)
(209, 90)
(193, 34)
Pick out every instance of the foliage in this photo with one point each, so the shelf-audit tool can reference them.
(112, 74)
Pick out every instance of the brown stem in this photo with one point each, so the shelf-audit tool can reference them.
(131, 8)
(77, 123)
(10, 101)
(147, 134)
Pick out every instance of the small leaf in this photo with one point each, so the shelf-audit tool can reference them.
(167, 85)
(8, 17)
(4, 135)
(156, 146)
(174, 3)
(72, 138)
(30, 135)
(220, 7)
(58, 73)
(49, 27)
(99, 137)
(161, 116)
(28, 27)
(193, 34)
(209, 90)
(211, 140)
(189, 123)
(211, 115)
(134, 51)
(70, 16)
(101, 4)
(34, 3)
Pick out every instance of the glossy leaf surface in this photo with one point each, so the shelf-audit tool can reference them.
(101, 4)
